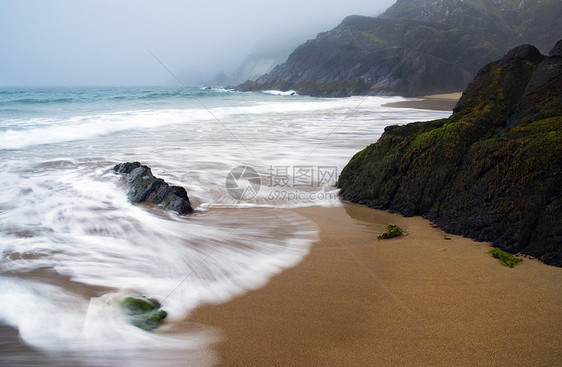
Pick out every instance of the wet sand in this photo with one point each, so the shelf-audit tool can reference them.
(439, 102)
(426, 299)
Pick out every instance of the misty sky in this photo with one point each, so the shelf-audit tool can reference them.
(68, 42)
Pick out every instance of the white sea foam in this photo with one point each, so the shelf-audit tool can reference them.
(94, 331)
(71, 244)
(76, 220)
(56, 130)
(281, 93)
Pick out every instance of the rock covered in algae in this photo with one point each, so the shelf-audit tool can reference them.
(144, 313)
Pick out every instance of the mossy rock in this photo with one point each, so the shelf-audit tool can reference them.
(143, 313)
(490, 172)
(505, 258)
(392, 231)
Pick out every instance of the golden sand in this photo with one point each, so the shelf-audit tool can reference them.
(440, 102)
(425, 299)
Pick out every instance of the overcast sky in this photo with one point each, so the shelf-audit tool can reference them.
(105, 42)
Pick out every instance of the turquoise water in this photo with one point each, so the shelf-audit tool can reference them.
(41, 102)
(71, 245)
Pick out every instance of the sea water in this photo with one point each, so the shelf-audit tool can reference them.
(72, 245)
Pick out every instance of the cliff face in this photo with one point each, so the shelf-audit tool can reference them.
(492, 171)
(416, 47)
(256, 65)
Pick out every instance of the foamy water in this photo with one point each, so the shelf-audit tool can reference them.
(72, 246)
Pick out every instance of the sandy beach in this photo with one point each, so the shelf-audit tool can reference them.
(439, 102)
(425, 299)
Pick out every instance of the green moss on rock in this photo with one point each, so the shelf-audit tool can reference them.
(492, 171)
(143, 313)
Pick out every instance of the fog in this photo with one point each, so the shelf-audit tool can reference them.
(92, 43)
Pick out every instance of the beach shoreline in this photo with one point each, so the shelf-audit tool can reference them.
(438, 102)
(428, 298)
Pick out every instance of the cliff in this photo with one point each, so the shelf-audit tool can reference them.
(492, 171)
(416, 47)
(257, 64)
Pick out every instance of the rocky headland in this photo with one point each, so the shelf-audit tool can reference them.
(491, 171)
(416, 47)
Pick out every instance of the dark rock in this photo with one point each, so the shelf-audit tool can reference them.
(417, 47)
(144, 187)
(543, 96)
(492, 171)
(144, 313)
(556, 50)
(495, 92)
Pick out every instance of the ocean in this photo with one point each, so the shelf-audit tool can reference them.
(72, 245)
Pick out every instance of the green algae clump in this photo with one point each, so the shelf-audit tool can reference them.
(143, 313)
(392, 231)
(505, 258)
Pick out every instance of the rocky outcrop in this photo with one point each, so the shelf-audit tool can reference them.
(492, 171)
(144, 187)
(417, 47)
